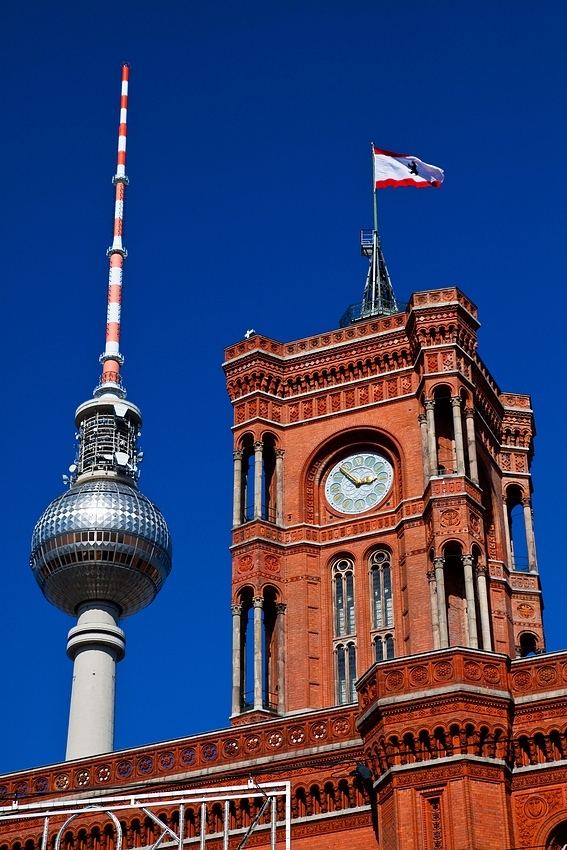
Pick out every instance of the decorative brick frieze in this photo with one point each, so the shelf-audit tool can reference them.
(187, 756)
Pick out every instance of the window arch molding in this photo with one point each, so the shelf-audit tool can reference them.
(270, 437)
(246, 440)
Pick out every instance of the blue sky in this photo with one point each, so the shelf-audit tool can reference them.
(249, 162)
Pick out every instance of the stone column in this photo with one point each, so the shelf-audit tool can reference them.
(237, 491)
(458, 430)
(422, 419)
(507, 535)
(258, 603)
(434, 608)
(530, 537)
(237, 696)
(280, 613)
(258, 447)
(279, 487)
(471, 604)
(481, 583)
(471, 445)
(95, 645)
(429, 405)
(439, 564)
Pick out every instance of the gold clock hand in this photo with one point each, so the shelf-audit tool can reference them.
(369, 479)
(349, 476)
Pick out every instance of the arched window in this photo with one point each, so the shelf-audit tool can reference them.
(444, 432)
(382, 609)
(528, 644)
(256, 480)
(343, 587)
(383, 647)
(344, 625)
(558, 837)
(517, 528)
(346, 673)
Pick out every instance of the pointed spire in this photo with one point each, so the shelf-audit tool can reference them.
(112, 359)
(378, 298)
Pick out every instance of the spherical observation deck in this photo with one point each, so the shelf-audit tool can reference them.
(101, 540)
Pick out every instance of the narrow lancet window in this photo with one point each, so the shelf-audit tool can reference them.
(346, 673)
(383, 613)
(343, 580)
(344, 623)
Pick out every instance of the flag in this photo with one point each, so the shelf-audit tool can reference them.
(399, 169)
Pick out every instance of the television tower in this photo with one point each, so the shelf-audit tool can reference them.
(102, 550)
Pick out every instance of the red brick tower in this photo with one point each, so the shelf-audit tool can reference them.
(376, 468)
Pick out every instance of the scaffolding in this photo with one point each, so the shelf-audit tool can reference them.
(50, 815)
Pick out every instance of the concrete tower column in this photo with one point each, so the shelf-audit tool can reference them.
(471, 445)
(258, 603)
(458, 431)
(237, 491)
(279, 487)
(236, 658)
(471, 604)
(422, 419)
(530, 536)
(481, 583)
(280, 622)
(95, 644)
(434, 608)
(429, 405)
(439, 564)
(258, 448)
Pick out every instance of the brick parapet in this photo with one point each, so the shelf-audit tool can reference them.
(188, 760)
(521, 679)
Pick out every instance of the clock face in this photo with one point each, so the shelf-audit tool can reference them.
(358, 482)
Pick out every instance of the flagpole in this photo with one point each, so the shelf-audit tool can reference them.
(374, 188)
(376, 293)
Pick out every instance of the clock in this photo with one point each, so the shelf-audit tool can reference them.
(358, 482)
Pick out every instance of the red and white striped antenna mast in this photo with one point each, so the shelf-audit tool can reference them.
(112, 359)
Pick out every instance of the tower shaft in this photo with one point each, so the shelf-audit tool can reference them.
(95, 644)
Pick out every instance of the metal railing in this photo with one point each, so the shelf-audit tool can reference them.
(62, 814)
(268, 514)
(269, 701)
(354, 313)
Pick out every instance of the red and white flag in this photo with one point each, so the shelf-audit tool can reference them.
(399, 169)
